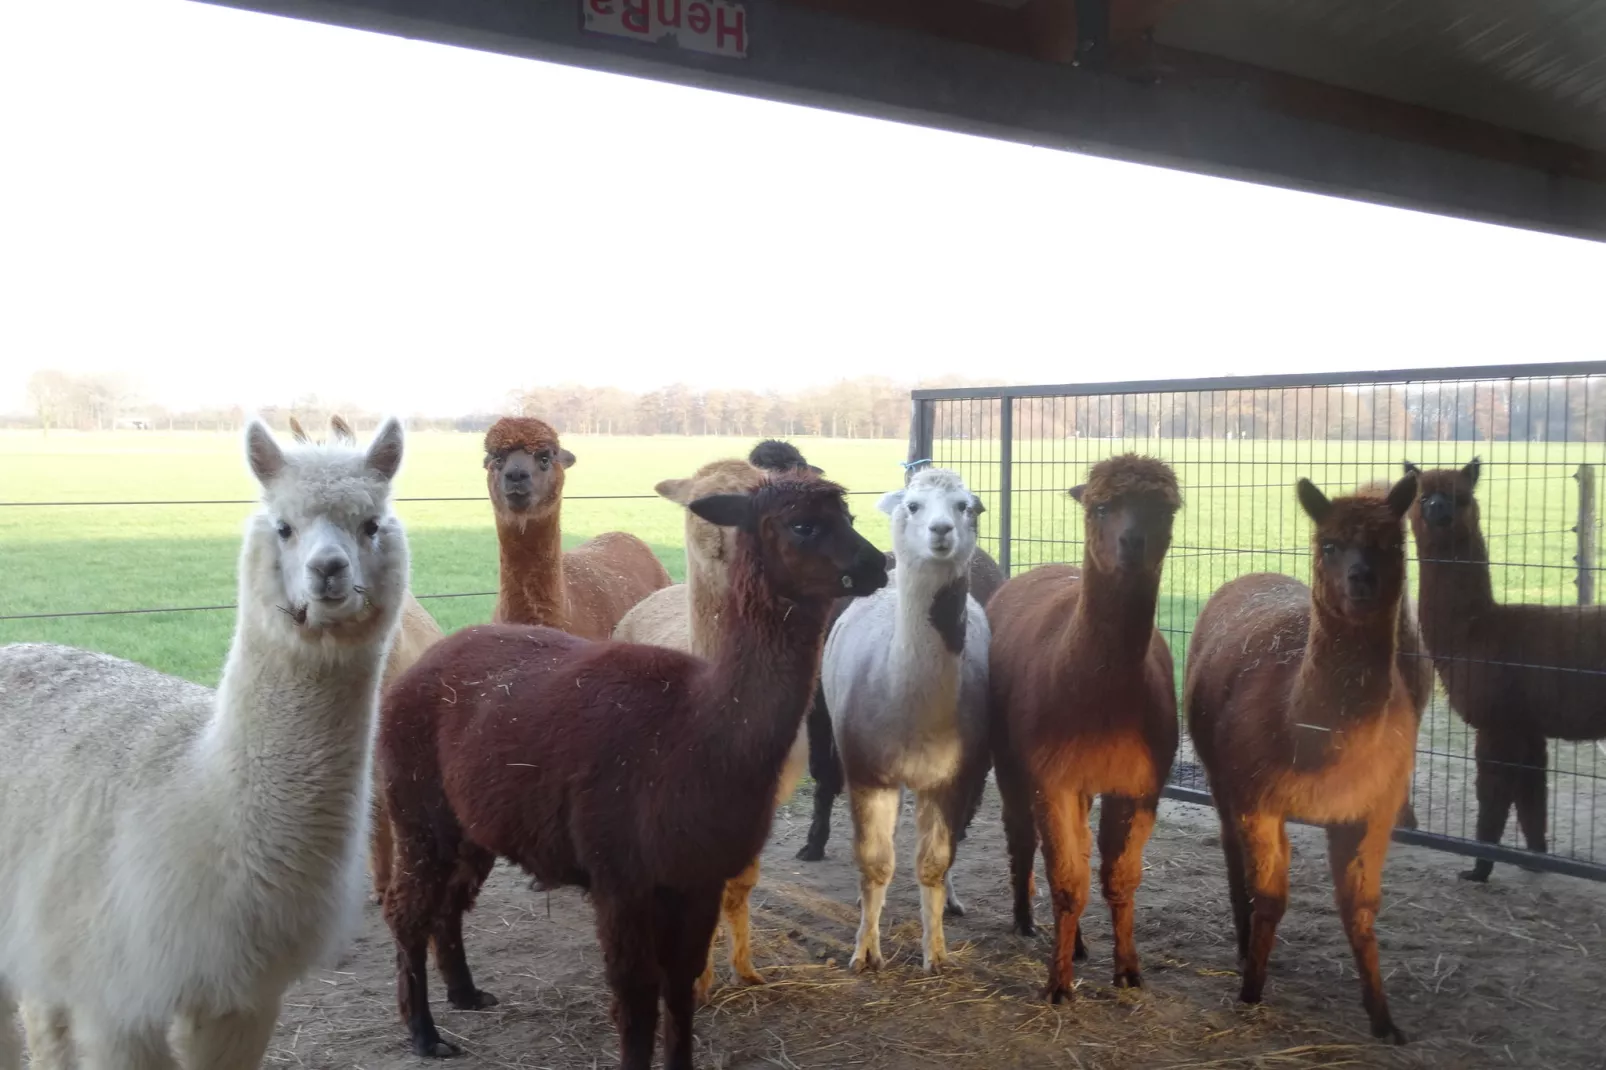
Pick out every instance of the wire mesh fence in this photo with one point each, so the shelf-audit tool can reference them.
(1532, 679)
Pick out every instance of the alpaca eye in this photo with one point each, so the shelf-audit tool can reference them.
(1329, 549)
(370, 527)
(285, 530)
(545, 463)
(804, 529)
(913, 507)
(1101, 511)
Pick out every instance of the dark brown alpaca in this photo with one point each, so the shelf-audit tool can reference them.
(1083, 704)
(1517, 674)
(588, 589)
(1297, 707)
(825, 764)
(645, 775)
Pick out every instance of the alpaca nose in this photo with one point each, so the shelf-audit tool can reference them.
(1132, 545)
(941, 529)
(1362, 582)
(516, 477)
(331, 570)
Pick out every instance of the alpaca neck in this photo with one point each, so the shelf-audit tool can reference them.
(707, 589)
(755, 692)
(1347, 674)
(532, 590)
(1455, 589)
(1115, 613)
(928, 632)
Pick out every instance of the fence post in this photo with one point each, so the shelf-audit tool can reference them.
(1586, 534)
(920, 431)
(1006, 482)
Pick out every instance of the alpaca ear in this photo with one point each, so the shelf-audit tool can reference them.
(976, 506)
(676, 490)
(262, 453)
(1315, 503)
(1076, 491)
(1402, 494)
(385, 452)
(724, 510)
(1473, 469)
(565, 458)
(341, 431)
(890, 501)
(296, 430)
(1412, 469)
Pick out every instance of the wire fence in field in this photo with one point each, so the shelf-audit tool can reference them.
(1239, 445)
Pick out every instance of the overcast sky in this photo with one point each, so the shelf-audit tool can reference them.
(240, 209)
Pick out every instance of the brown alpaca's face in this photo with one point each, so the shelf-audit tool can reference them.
(1359, 549)
(1128, 532)
(526, 483)
(1445, 513)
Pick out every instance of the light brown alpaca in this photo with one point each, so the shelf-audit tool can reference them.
(416, 633)
(589, 589)
(1297, 707)
(687, 617)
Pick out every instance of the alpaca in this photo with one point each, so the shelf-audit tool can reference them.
(1297, 708)
(172, 853)
(687, 617)
(905, 679)
(1517, 674)
(584, 591)
(1083, 704)
(416, 633)
(644, 775)
(825, 765)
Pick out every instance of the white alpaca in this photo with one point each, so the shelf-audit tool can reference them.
(173, 855)
(905, 677)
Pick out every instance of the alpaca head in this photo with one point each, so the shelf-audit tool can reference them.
(524, 469)
(708, 544)
(325, 557)
(933, 518)
(1129, 504)
(1358, 548)
(1445, 514)
(798, 528)
(773, 455)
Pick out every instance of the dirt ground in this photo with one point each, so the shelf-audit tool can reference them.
(1504, 974)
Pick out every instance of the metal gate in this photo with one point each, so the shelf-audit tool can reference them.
(1239, 444)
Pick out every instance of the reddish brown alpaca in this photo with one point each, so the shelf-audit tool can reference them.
(1518, 674)
(585, 591)
(642, 774)
(1083, 704)
(1297, 707)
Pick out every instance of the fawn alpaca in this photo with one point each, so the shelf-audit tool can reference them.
(168, 852)
(1297, 707)
(645, 775)
(905, 678)
(1518, 674)
(585, 591)
(1083, 704)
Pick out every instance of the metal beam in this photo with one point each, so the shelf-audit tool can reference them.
(815, 58)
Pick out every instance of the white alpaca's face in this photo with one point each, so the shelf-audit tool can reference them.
(326, 548)
(933, 517)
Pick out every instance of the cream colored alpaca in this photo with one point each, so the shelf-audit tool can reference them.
(173, 855)
(686, 617)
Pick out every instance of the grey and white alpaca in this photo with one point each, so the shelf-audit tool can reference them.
(170, 854)
(905, 678)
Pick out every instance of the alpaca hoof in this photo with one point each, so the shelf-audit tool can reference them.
(936, 964)
(953, 909)
(864, 961)
(1058, 994)
(700, 989)
(1388, 1031)
(475, 1000)
(1479, 873)
(811, 852)
(1248, 994)
(436, 1048)
(750, 976)
(1026, 928)
(1128, 979)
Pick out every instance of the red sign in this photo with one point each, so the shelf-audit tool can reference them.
(712, 26)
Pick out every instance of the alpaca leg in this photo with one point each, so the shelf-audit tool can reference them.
(1496, 793)
(934, 856)
(451, 959)
(412, 903)
(630, 961)
(684, 924)
(234, 1041)
(1264, 841)
(1356, 853)
(875, 820)
(1067, 844)
(825, 766)
(381, 847)
(103, 1047)
(1237, 890)
(1528, 781)
(49, 1033)
(1020, 835)
(734, 905)
(1124, 829)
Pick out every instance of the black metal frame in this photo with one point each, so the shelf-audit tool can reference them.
(922, 444)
